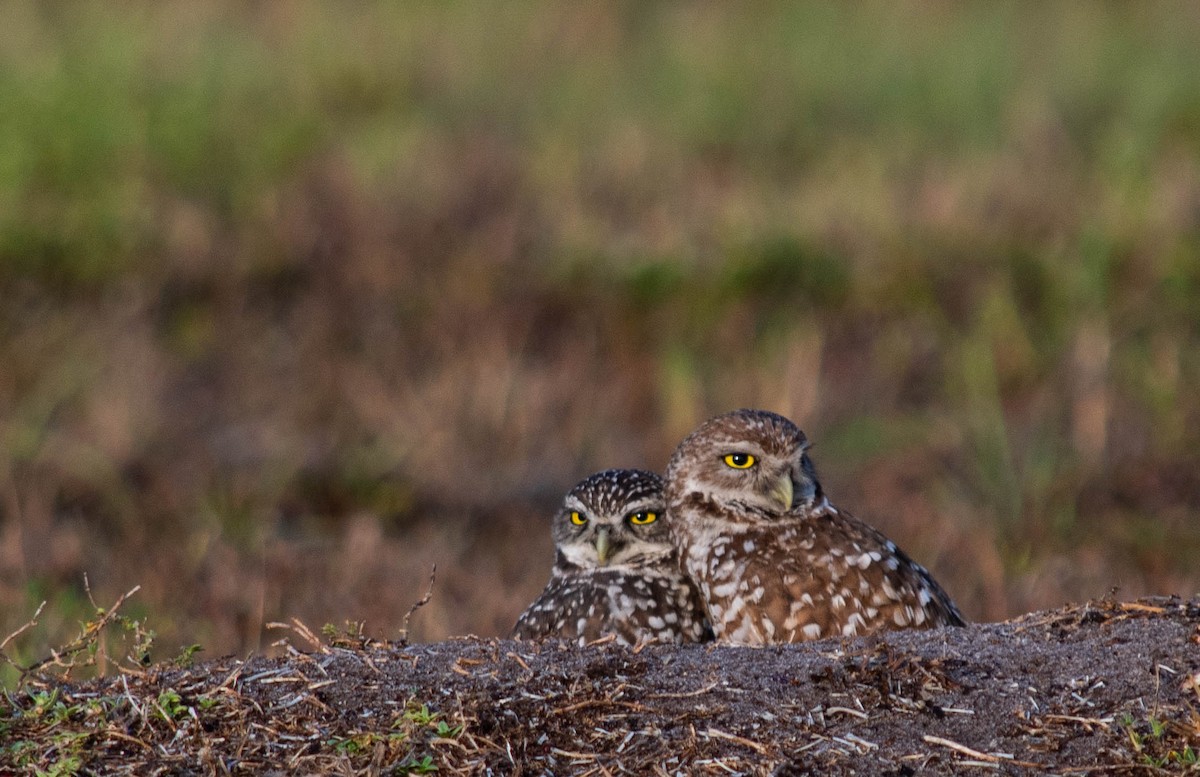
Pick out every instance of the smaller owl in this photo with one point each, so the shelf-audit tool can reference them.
(616, 571)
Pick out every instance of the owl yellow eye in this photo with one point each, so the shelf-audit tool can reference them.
(577, 519)
(643, 518)
(740, 460)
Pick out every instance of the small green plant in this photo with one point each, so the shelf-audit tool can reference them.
(42, 701)
(420, 716)
(446, 731)
(170, 706)
(411, 730)
(1185, 757)
(68, 765)
(48, 709)
(51, 747)
(187, 656)
(355, 744)
(1153, 741)
(411, 765)
(349, 635)
(22, 752)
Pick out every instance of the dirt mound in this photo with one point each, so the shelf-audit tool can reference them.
(1106, 687)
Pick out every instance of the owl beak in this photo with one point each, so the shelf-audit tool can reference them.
(602, 547)
(783, 490)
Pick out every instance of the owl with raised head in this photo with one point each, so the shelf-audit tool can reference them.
(774, 560)
(615, 570)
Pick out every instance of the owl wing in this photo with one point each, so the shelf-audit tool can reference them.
(633, 607)
(570, 607)
(820, 576)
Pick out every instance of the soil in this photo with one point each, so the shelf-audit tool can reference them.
(1102, 688)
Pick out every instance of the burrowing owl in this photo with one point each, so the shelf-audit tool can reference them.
(616, 571)
(775, 561)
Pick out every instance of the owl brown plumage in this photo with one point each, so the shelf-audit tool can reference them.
(616, 571)
(774, 560)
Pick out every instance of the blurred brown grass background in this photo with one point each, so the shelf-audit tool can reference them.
(297, 300)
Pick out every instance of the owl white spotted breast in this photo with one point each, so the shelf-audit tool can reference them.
(774, 560)
(615, 571)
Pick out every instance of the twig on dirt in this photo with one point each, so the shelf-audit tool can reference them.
(689, 694)
(1138, 607)
(817, 739)
(300, 628)
(599, 703)
(275, 672)
(1102, 722)
(126, 738)
(720, 764)
(750, 743)
(1157, 687)
(231, 677)
(577, 756)
(992, 758)
(424, 600)
(273, 680)
(846, 711)
(858, 743)
(366, 659)
(1192, 683)
(292, 702)
(597, 769)
(966, 750)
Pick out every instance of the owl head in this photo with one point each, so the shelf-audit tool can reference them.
(753, 460)
(613, 518)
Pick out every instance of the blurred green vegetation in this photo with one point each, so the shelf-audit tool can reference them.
(266, 269)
